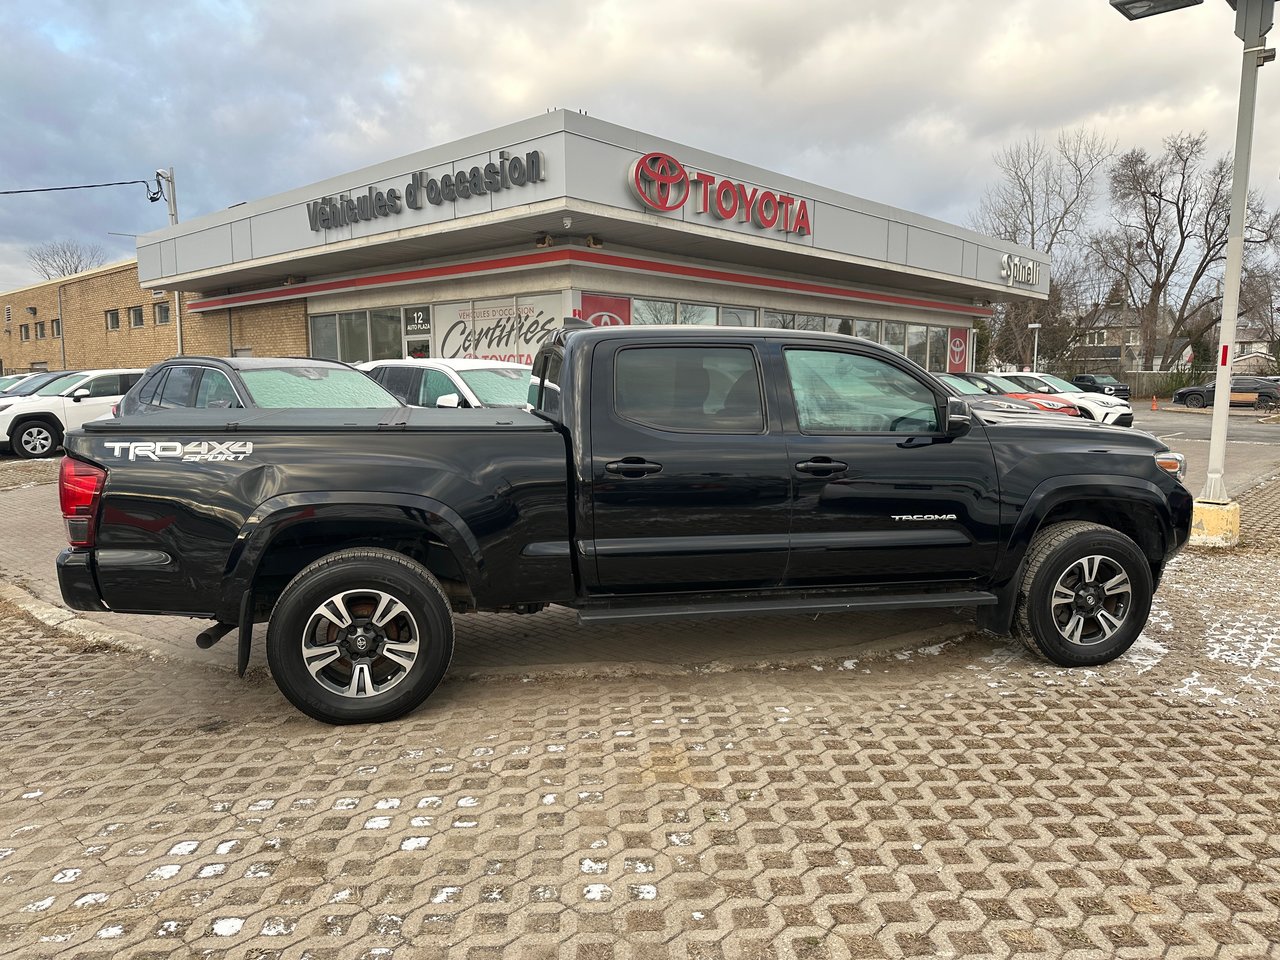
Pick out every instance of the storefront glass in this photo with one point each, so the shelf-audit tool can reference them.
(737, 317)
(697, 313)
(895, 336)
(652, 311)
(417, 331)
(324, 336)
(918, 343)
(938, 349)
(353, 337)
(385, 338)
(867, 328)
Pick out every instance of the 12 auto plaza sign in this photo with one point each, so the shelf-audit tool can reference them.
(663, 183)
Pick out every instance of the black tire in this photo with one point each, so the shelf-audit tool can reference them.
(362, 656)
(1094, 618)
(33, 439)
(1195, 400)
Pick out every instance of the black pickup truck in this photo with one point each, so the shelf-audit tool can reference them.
(663, 472)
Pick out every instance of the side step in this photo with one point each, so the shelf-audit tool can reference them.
(620, 612)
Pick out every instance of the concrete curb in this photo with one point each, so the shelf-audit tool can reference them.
(86, 635)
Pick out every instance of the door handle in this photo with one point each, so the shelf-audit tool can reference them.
(632, 467)
(822, 466)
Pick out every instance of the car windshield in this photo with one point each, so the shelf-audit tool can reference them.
(499, 386)
(7, 382)
(32, 384)
(1059, 385)
(55, 387)
(1105, 378)
(318, 386)
(960, 385)
(1008, 386)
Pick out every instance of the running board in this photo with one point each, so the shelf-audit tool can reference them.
(615, 612)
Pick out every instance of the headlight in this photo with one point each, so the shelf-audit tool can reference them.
(1172, 463)
(1052, 404)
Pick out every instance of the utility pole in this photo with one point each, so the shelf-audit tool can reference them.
(171, 195)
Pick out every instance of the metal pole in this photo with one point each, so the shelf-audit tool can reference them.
(1215, 488)
(1035, 351)
(172, 196)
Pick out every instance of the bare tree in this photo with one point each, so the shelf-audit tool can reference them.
(1169, 238)
(61, 258)
(1043, 199)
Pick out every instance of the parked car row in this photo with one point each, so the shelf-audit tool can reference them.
(38, 410)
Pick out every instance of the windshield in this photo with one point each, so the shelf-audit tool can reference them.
(962, 386)
(7, 382)
(55, 387)
(1059, 385)
(1008, 386)
(1106, 378)
(32, 384)
(277, 387)
(499, 386)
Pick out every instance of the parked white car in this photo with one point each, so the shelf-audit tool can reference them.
(33, 425)
(1096, 406)
(452, 382)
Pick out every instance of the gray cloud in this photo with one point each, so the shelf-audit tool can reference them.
(900, 102)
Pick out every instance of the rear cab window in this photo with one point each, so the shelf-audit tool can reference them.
(689, 389)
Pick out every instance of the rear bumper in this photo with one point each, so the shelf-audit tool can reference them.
(76, 580)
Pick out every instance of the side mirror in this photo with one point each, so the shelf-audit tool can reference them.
(959, 417)
(449, 400)
(79, 394)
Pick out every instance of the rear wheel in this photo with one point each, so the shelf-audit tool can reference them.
(1195, 400)
(360, 636)
(1085, 594)
(36, 438)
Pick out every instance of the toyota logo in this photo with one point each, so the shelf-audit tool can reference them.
(660, 181)
(606, 318)
(957, 350)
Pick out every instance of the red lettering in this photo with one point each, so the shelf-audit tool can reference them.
(706, 181)
(801, 225)
(767, 209)
(748, 202)
(726, 200)
(784, 203)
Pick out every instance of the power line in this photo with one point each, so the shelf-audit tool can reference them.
(152, 195)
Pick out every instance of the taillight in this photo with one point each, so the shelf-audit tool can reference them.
(79, 487)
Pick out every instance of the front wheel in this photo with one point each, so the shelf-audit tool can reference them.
(1195, 400)
(1085, 594)
(360, 636)
(35, 439)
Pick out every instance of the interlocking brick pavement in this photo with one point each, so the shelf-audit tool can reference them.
(960, 800)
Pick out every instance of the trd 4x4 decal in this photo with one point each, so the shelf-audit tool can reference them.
(197, 451)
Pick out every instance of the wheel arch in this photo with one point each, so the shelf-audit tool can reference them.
(287, 533)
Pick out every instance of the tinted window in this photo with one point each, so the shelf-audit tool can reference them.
(847, 393)
(544, 386)
(398, 380)
(150, 391)
(689, 389)
(215, 391)
(128, 381)
(177, 387)
(107, 385)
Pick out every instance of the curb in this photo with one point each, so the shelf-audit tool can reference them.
(87, 636)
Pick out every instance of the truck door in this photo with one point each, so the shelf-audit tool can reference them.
(882, 495)
(688, 469)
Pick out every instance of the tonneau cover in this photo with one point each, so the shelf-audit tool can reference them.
(319, 420)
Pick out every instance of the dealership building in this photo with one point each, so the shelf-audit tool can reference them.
(483, 246)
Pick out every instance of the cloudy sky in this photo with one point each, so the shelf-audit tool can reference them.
(899, 101)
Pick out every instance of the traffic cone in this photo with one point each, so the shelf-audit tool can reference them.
(1153, 402)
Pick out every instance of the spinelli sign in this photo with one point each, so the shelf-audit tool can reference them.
(506, 173)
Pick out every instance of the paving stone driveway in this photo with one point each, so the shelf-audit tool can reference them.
(961, 800)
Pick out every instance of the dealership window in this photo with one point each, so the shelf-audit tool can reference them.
(417, 330)
(161, 311)
(737, 317)
(55, 328)
(24, 331)
(895, 336)
(805, 321)
(39, 329)
(135, 317)
(939, 337)
(113, 319)
(701, 314)
(357, 335)
(918, 343)
(652, 311)
(867, 328)
(782, 321)
(1096, 338)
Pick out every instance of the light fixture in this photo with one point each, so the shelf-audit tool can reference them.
(594, 242)
(543, 240)
(1137, 9)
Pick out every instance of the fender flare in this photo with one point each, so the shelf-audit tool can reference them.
(275, 516)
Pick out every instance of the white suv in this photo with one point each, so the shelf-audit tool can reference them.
(33, 425)
(1095, 406)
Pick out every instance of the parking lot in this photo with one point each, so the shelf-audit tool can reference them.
(849, 786)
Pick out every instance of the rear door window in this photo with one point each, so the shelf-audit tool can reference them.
(690, 389)
(215, 391)
(177, 388)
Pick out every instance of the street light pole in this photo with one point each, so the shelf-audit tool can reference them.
(1253, 20)
(1216, 520)
(172, 196)
(1035, 346)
